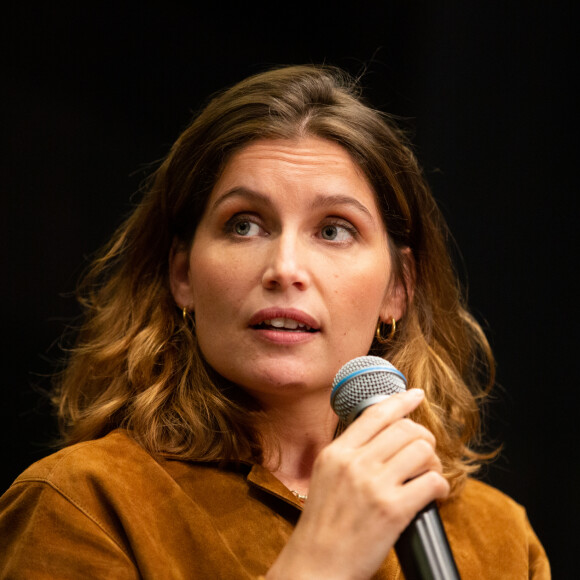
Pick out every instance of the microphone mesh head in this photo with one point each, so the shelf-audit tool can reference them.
(362, 378)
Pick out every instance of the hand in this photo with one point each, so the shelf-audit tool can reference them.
(365, 489)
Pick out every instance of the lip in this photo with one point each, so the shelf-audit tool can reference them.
(291, 313)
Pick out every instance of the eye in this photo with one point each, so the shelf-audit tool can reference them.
(244, 226)
(338, 232)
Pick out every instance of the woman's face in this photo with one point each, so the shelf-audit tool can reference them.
(289, 270)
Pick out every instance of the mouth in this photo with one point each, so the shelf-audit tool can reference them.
(288, 320)
(284, 324)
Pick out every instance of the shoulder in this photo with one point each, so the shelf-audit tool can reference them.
(490, 531)
(114, 452)
(73, 502)
(96, 478)
(486, 499)
(480, 505)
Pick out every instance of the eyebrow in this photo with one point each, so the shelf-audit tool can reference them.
(321, 201)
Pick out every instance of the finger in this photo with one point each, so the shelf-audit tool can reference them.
(398, 507)
(415, 459)
(391, 440)
(426, 488)
(379, 416)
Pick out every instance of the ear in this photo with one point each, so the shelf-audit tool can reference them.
(179, 275)
(401, 289)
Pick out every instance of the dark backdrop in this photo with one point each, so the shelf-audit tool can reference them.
(92, 94)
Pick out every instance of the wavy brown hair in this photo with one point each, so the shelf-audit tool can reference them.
(136, 363)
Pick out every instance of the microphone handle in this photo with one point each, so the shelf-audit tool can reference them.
(423, 549)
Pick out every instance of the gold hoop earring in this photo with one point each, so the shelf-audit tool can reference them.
(188, 318)
(379, 332)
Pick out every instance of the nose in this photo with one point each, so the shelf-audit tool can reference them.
(286, 264)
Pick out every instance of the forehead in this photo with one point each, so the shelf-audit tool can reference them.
(308, 163)
(302, 152)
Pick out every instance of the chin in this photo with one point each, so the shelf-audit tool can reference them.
(284, 381)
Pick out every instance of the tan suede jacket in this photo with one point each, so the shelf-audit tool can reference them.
(107, 509)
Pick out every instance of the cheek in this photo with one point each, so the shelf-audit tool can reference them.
(218, 286)
(209, 283)
(358, 300)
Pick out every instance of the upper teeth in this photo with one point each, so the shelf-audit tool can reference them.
(286, 323)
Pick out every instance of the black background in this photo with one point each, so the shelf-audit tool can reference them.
(93, 93)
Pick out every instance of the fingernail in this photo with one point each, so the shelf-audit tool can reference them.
(419, 393)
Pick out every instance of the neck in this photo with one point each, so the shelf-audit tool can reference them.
(295, 433)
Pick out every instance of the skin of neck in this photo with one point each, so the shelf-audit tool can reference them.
(296, 430)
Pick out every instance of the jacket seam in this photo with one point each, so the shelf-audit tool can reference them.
(78, 506)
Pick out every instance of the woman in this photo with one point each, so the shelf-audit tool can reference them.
(288, 231)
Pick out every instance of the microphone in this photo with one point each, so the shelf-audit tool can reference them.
(422, 549)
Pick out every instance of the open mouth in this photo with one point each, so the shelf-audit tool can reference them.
(285, 324)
